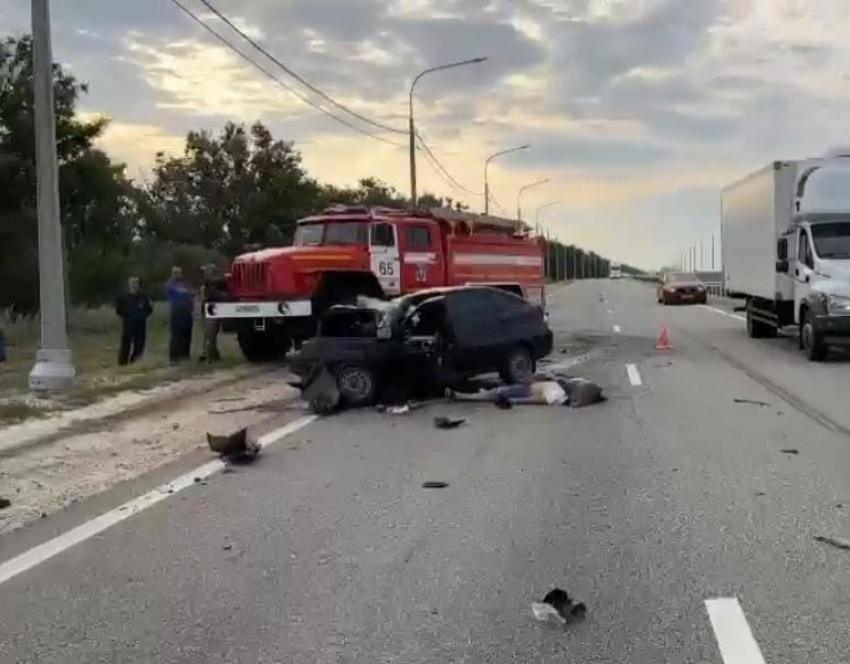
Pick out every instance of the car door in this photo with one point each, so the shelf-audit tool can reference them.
(475, 327)
(803, 269)
(422, 260)
(384, 258)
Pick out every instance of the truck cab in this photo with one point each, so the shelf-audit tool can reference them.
(814, 255)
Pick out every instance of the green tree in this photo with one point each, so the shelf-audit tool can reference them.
(93, 192)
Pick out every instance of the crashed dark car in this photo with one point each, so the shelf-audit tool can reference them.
(421, 343)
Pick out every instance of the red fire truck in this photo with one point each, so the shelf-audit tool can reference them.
(279, 293)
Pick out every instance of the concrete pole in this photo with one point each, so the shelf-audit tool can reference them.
(54, 368)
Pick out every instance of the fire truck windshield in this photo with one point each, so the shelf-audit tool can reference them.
(332, 233)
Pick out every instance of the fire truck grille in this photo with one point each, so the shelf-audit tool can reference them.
(250, 277)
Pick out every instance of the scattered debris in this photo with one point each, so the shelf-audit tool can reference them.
(559, 607)
(234, 447)
(753, 402)
(398, 410)
(434, 485)
(444, 422)
(760, 493)
(4, 503)
(175, 426)
(839, 542)
(227, 547)
(790, 451)
(196, 480)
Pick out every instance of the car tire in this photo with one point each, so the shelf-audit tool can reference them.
(357, 385)
(519, 366)
(811, 340)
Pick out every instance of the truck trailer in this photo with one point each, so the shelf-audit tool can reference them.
(786, 250)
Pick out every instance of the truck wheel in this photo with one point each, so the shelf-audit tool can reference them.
(757, 329)
(519, 366)
(264, 346)
(357, 385)
(811, 340)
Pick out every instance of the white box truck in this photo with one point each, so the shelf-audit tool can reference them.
(786, 249)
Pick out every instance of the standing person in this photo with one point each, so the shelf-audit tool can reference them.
(134, 308)
(214, 290)
(181, 301)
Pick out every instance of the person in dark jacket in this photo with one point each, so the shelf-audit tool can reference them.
(134, 308)
(181, 302)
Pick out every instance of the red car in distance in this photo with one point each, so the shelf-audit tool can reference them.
(681, 288)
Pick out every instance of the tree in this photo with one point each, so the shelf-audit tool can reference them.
(93, 191)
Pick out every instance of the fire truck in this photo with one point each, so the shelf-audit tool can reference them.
(278, 294)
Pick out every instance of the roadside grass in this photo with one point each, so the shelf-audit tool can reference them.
(95, 336)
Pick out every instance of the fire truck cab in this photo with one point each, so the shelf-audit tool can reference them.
(278, 294)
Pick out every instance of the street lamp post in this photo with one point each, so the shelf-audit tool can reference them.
(540, 209)
(519, 196)
(451, 65)
(54, 368)
(487, 165)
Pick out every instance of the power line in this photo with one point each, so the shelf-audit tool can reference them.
(447, 176)
(296, 76)
(281, 83)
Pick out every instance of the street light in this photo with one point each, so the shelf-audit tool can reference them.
(519, 196)
(54, 368)
(487, 165)
(540, 209)
(451, 65)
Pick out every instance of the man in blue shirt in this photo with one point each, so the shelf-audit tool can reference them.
(181, 301)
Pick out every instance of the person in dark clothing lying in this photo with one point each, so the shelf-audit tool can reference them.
(134, 308)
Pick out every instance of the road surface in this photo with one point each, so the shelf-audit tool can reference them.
(671, 510)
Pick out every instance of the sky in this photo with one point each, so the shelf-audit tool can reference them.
(637, 111)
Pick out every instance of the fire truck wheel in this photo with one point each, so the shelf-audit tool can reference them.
(262, 346)
(357, 385)
(519, 366)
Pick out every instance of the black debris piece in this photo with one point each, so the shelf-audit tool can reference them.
(235, 447)
(838, 542)
(790, 451)
(227, 547)
(4, 503)
(752, 402)
(227, 470)
(444, 422)
(434, 485)
(558, 606)
(196, 480)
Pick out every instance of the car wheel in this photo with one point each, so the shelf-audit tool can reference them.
(811, 340)
(519, 366)
(357, 385)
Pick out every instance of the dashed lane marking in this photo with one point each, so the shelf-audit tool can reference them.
(723, 313)
(617, 329)
(732, 631)
(50, 548)
(634, 375)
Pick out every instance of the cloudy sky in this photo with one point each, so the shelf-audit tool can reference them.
(637, 110)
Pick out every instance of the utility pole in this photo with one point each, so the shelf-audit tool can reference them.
(54, 368)
(712, 252)
(701, 261)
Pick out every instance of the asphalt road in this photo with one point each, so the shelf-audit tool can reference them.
(645, 507)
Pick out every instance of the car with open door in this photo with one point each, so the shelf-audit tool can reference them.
(421, 343)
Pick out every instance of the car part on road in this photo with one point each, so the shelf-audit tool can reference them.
(444, 422)
(434, 485)
(4, 503)
(234, 447)
(790, 451)
(753, 402)
(558, 606)
(838, 542)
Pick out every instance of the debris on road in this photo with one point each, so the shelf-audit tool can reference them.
(321, 392)
(559, 607)
(790, 451)
(234, 447)
(227, 547)
(4, 503)
(753, 402)
(399, 410)
(434, 485)
(443, 422)
(838, 542)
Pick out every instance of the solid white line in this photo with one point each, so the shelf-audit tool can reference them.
(634, 375)
(617, 329)
(723, 313)
(81, 533)
(734, 637)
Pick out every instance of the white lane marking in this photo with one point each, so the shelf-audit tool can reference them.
(734, 637)
(35, 556)
(610, 312)
(634, 375)
(617, 329)
(723, 313)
